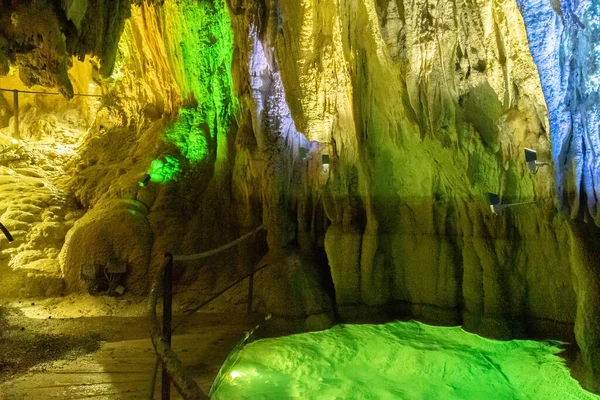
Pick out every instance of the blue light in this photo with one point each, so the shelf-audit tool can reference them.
(565, 44)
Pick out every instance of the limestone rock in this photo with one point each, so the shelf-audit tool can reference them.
(344, 246)
(116, 229)
(364, 134)
(290, 287)
(563, 39)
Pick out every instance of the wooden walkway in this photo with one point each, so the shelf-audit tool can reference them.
(123, 369)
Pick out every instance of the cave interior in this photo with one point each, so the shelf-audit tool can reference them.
(423, 170)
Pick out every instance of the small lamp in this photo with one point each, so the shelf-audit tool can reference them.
(304, 153)
(145, 181)
(531, 160)
(325, 161)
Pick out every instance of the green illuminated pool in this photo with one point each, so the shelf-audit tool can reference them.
(399, 360)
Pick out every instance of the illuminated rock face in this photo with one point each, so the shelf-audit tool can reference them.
(422, 110)
(564, 39)
(420, 122)
(42, 37)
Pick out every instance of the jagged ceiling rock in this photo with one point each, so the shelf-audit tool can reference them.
(35, 43)
(40, 37)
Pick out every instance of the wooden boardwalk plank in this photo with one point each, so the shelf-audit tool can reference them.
(123, 369)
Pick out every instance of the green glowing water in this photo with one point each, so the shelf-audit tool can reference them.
(399, 360)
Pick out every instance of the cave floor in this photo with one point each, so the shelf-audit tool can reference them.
(104, 357)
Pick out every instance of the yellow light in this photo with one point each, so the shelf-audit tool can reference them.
(15, 141)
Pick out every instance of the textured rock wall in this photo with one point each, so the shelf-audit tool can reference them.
(563, 37)
(163, 66)
(114, 156)
(422, 110)
(417, 132)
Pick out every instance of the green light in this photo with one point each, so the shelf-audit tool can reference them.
(163, 171)
(188, 136)
(207, 49)
(399, 360)
(203, 41)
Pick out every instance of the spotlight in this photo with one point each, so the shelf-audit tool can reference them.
(531, 160)
(497, 207)
(6, 232)
(145, 181)
(325, 161)
(494, 201)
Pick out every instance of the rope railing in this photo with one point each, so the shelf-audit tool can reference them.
(173, 370)
(172, 366)
(48, 93)
(199, 256)
(16, 92)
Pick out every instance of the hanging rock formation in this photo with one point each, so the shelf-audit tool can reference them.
(42, 36)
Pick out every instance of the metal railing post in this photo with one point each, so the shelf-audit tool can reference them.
(250, 288)
(167, 320)
(16, 113)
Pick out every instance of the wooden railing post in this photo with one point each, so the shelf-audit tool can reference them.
(167, 320)
(16, 113)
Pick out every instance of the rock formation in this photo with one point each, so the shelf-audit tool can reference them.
(563, 37)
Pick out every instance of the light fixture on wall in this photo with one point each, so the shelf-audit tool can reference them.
(325, 161)
(531, 160)
(496, 205)
(145, 181)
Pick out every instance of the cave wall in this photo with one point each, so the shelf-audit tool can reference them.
(563, 38)
(417, 132)
(422, 109)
